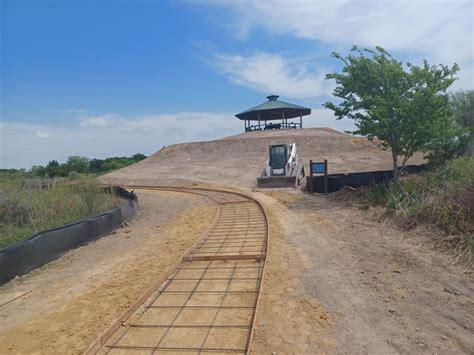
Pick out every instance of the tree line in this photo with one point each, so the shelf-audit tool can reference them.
(76, 164)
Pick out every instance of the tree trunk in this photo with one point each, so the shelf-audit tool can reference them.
(395, 163)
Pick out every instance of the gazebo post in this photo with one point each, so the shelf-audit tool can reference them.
(301, 120)
(283, 118)
(259, 120)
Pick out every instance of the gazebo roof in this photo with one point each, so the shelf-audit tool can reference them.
(273, 109)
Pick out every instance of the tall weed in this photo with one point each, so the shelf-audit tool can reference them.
(443, 198)
(28, 206)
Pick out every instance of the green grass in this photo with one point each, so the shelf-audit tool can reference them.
(30, 205)
(443, 198)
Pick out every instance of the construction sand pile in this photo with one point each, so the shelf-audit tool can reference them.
(238, 160)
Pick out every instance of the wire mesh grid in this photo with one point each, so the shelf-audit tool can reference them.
(205, 306)
(241, 230)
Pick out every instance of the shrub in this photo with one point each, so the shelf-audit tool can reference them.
(73, 175)
(443, 198)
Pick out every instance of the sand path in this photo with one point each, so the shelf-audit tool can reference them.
(73, 299)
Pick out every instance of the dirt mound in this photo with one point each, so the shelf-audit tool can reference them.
(239, 159)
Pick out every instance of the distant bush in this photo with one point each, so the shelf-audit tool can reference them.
(114, 163)
(443, 198)
(82, 165)
(30, 205)
(78, 164)
(73, 175)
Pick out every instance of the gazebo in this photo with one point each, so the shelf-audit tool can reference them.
(265, 115)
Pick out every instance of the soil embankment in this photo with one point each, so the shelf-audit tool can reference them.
(238, 160)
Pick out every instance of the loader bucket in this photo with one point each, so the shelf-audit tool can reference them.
(281, 182)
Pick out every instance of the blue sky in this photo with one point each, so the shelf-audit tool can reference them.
(102, 78)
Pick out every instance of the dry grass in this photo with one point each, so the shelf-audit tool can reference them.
(443, 199)
(28, 206)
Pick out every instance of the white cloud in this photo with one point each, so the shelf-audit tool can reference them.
(440, 31)
(21, 146)
(271, 73)
(423, 24)
(42, 134)
(99, 121)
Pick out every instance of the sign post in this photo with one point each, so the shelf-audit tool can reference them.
(326, 176)
(319, 168)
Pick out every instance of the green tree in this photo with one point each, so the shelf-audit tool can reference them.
(138, 157)
(463, 108)
(53, 169)
(95, 165)
(112, 165)
(78, 164)
(38, 170)
(405, 108)
(449, 143)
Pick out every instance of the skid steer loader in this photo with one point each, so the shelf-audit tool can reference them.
(282, 169)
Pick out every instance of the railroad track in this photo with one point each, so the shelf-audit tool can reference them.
(207, 303)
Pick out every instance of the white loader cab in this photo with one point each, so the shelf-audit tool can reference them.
(283, 160)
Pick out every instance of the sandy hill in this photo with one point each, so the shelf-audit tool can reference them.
(239, 159)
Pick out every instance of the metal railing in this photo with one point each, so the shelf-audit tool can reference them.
(272, 126)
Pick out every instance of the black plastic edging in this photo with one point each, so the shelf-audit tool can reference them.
(26, 255)
(338, 181)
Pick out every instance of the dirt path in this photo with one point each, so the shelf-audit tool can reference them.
(341, 281)
(73, 299)
(208, 303)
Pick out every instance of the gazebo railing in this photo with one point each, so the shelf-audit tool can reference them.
(270, 126)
